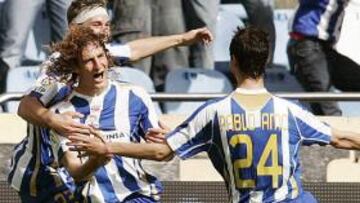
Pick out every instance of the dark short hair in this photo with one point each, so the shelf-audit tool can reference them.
(77, 6)
(250, 47)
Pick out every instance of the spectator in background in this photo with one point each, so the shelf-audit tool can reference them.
(17, 19)
(314, 30)
(141, 18)
(261, 15)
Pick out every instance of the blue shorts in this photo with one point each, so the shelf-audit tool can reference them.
(48, 191)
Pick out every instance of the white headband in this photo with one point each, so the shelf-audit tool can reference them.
(89, 13)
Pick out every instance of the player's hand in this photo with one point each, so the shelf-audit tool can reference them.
(197, 35)
(92, 145)
(66, 125)
(157, 135)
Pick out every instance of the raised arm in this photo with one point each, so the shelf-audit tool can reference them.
(152, 151)
(345, 139)
(142, 48)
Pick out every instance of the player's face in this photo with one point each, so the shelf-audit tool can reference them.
(93, 69)
(99, 24)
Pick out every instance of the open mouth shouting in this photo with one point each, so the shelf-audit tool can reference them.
(99, 77)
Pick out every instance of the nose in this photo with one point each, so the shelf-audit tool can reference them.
(105, 29)
(97, 63)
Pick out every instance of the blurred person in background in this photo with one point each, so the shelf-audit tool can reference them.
(142, 18)
(251, 136)
(260, 14)
(315, 29)
(17, 19)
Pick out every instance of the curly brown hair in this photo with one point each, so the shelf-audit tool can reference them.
(70, 50)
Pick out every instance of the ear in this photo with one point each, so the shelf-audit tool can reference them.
(234, 61)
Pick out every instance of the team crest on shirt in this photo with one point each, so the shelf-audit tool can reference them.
(95, 108)
(93, 120)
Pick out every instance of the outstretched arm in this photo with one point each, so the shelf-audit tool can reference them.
(142, 48)
(345, 139)
(90, 145)
(31, 110)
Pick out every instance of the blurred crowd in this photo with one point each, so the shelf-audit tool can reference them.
(314, 31)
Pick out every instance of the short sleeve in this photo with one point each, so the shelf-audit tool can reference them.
(311, 129)
(194, 135)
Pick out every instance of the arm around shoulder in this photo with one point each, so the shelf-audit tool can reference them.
(31, 110)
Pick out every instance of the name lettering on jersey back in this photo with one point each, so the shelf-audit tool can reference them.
(251, 121)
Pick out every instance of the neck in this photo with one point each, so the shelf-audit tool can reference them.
(90, 90)
(249, 83)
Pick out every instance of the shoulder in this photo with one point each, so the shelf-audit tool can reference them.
(129, 89)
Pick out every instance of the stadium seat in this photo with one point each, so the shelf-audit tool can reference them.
(20, 80)
(137, 77)
(279, 79)
(193, 80)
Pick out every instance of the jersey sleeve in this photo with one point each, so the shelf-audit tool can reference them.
(46, 87)
(194, 135)
(311, 129)
(121, 52)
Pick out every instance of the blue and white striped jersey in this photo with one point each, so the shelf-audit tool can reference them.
(33, 172)
(253, 140)
(32, 165)
(319, 18)
(123, 113)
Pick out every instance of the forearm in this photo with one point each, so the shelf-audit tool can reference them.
(31, 110)
(153, 151)
(142, 48)
(346, 139)
(83, 171)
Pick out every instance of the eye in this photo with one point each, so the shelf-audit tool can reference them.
(102, 55)
(96, 24)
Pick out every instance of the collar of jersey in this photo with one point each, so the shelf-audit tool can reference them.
(99, 95)
(251, 91)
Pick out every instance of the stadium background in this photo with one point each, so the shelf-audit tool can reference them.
(315, 161)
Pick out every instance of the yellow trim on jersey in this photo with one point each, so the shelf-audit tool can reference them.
(251, 101)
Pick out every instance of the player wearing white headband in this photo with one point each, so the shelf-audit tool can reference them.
(31, 171)
(92, 13)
